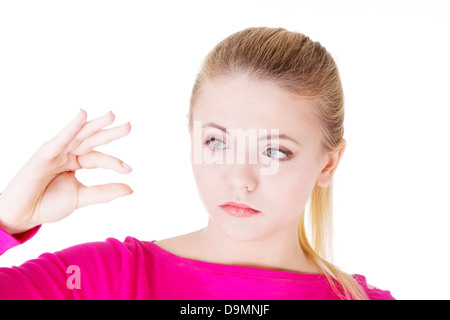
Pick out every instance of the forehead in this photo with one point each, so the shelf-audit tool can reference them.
(240, 102)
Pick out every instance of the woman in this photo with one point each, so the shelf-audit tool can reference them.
(279, 89)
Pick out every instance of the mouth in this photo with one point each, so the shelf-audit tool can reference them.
(239, 209)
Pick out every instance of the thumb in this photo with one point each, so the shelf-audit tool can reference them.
(102, 193)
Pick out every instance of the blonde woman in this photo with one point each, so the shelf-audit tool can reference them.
(274, 88)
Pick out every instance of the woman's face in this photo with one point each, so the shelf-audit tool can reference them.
(279, 182)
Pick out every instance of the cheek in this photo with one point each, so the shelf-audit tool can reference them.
(207, 175)
(289, 197)
(290, 190)
(209, 183)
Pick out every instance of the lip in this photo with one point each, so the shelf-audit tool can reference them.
(237, 205)
(239, 209)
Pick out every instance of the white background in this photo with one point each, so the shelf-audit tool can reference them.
(140, 58)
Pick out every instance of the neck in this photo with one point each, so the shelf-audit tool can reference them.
(281, 251)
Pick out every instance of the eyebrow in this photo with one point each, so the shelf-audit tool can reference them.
(281, 136)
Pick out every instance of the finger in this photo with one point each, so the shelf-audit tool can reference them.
(95, 159)
(90, 128)
(101, 138)
(102, 193)
(56, 145)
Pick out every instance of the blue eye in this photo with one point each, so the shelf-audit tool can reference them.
(215, 143)
(271, 152)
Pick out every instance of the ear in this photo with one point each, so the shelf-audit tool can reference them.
(330, 166)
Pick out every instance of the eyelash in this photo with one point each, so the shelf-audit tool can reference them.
(285, 152)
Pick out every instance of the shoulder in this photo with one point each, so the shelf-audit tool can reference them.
(373, 293)
(110, 246)
(186, 245)
(97, 254)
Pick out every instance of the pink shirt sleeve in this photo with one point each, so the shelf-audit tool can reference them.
(92, 270)
(373, 293)
(87, 271)
(8, 241)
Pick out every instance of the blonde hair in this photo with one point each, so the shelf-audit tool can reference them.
(306, 70)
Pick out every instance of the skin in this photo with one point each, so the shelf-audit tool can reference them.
(269, 239)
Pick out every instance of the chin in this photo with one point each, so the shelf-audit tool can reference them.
(239, 230)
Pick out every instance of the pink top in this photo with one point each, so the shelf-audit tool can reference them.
(135, 269)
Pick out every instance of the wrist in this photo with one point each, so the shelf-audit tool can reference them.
(10, 227)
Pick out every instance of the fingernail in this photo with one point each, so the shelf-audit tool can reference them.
(126, 166)
(126, 125)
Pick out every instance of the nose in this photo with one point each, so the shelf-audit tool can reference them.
(242, 176)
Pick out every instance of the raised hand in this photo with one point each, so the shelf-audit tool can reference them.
(46, 189)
